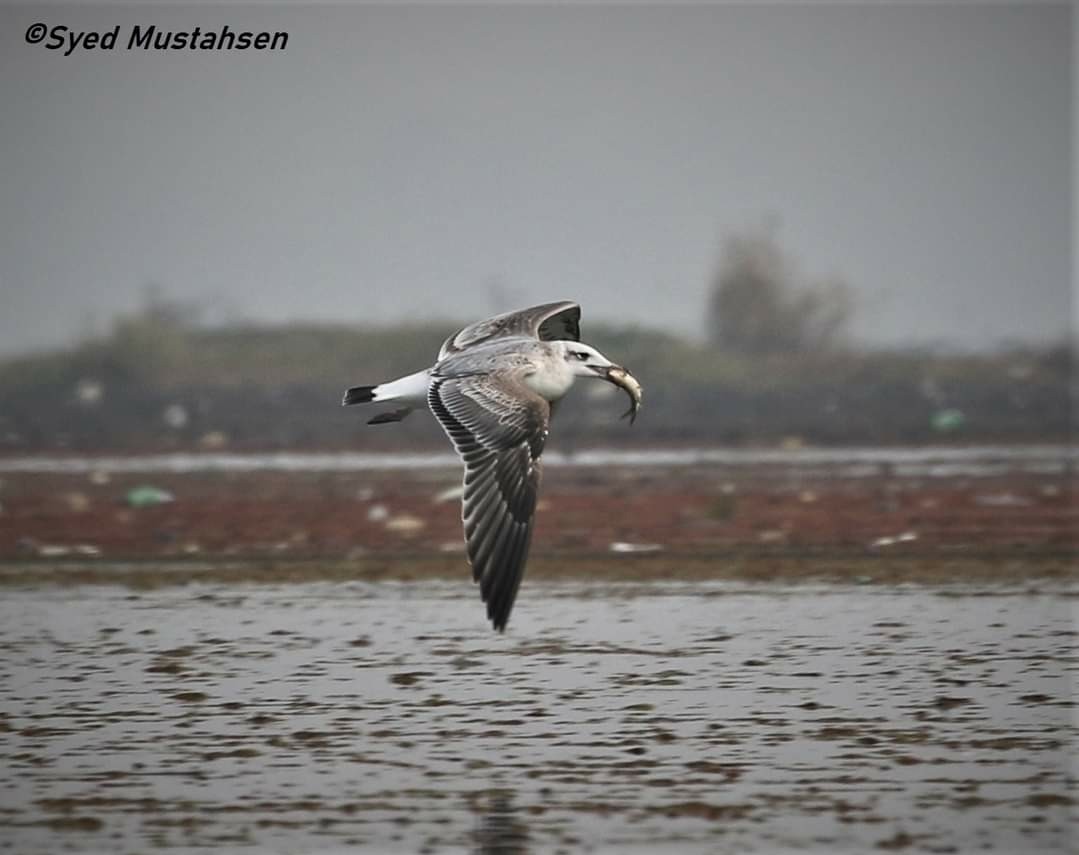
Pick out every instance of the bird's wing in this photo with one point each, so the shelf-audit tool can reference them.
(498, 427)
(548, 322)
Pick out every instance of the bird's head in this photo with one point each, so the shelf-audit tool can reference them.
(584, 360)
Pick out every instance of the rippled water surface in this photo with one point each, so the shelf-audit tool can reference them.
(387, 717)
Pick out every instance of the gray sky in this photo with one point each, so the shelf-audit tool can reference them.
(393, 162)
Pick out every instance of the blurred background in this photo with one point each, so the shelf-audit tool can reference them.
(829, 225)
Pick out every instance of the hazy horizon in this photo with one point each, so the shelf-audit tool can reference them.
(400, 162)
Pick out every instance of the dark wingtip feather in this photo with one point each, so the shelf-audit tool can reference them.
(498, 615)
(358, 395)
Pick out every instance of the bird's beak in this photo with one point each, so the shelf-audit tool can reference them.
(621, 378)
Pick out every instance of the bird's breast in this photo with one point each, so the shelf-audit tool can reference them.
(550, 382)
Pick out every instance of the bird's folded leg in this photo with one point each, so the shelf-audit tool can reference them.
(391, 416)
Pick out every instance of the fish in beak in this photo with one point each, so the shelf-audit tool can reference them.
(621, 377)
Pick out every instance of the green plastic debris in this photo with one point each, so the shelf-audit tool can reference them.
(146, 496)
(945, 421)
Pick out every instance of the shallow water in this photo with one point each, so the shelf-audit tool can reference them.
(653, 717)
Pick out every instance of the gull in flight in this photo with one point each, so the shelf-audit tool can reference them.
(493, 389)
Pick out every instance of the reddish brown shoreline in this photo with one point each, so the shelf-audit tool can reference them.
(689, 516)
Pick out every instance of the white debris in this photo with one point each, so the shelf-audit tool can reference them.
(625, 547)
(175, 416)
(905, 537)
(405, 524)
(1001, 500)
(89, 392)
(378, 513)
(214, 439)
(77, 502)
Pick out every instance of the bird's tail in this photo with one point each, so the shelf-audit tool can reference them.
(411, 391)
(359, 395)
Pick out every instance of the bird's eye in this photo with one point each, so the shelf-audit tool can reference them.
(581, 355)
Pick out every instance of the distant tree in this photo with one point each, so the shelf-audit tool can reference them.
(759, 305)
(155, 337)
